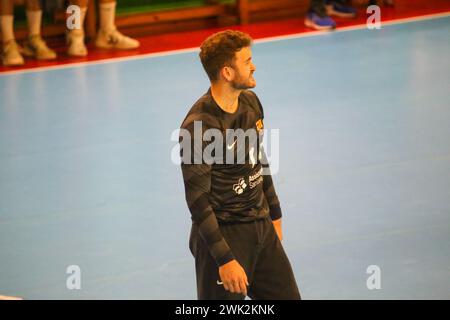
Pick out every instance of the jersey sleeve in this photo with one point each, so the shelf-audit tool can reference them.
(268, 186)
(269, 191)
(197, 184)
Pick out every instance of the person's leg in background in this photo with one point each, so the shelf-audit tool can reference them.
(340, 8)
(108, 37)
(11, 55)
(75, 37)
(317, 18)
(35, 45)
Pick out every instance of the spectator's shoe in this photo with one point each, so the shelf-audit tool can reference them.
(75, 43)
(115, 40)
(37, 48)
(314, 21)
(340, 10)
(11, 55)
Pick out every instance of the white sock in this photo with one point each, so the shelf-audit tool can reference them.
(82, 16)
(7, 25)
(34, 19)
(107, 16)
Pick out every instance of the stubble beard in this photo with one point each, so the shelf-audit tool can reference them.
(248, 83)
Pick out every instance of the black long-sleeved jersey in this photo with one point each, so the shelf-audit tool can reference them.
(223, 192)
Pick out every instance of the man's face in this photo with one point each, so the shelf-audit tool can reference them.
(243, 70)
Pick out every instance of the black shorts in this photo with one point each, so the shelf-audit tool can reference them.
(257, 248)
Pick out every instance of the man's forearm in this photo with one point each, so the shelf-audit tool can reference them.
(197, 184)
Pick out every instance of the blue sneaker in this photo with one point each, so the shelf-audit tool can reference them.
(314, 21)
(340, 10)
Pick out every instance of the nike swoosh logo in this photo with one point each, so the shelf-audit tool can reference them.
(219, 283)
(230, 147)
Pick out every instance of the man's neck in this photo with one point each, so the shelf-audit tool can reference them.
(226, 97)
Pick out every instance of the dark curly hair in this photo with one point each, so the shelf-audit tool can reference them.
(219, 49)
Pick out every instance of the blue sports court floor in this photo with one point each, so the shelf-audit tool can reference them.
(86, 176)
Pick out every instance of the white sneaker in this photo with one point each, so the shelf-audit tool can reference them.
(75, 42)
(36, 47)
(113, 39)
(11, 55)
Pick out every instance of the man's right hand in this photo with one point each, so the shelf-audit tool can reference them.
(233, 277)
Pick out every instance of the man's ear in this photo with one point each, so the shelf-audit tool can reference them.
(227, 73)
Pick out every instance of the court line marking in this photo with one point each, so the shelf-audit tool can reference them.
(196, 49)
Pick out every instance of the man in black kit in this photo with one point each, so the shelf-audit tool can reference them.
(236, 231)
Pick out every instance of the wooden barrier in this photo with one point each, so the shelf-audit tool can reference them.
(212, 14)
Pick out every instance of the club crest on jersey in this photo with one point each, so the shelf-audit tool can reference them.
(259, 125)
